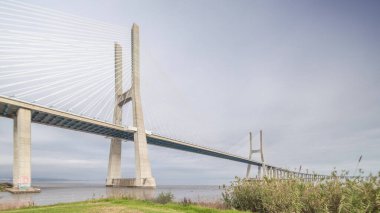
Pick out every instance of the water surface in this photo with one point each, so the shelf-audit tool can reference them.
(53, 192)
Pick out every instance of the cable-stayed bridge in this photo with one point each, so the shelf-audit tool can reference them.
(69, 72)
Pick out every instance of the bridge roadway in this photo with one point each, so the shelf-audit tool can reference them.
(67, 120)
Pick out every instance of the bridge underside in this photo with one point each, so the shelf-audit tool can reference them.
(59, 119)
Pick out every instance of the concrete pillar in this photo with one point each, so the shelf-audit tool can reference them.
(264, 169)
(250, 155)
(259, 174)
(114, 161)
(143, 168)
(22, 174)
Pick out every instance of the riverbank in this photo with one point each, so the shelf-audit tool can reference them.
(122, 205)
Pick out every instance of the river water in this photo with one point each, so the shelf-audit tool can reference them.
(70, 191)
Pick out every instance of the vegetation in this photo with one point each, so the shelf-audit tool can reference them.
(333, 195)
(3, 186)
(164, 198)
(269, 195)
(122, 205)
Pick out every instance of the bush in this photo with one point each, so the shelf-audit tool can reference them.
(186, 201)
(333, 195)
(164, 198)
(3, 186)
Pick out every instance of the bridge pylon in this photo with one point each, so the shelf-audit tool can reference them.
(262, 171)
(143, 169)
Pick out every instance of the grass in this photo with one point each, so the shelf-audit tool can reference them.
(269, 195)
(121, 205)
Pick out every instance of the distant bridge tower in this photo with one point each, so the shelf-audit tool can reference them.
(261, 170)
(143, 170)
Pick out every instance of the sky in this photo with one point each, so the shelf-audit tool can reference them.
(305, 72)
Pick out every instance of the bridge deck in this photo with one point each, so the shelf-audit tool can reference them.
(57, 118)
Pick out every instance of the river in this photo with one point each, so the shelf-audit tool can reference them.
(53, 192)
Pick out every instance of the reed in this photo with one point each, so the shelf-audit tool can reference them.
(295, 195)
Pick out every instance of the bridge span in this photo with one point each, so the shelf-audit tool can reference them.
(53, 117)
(57, 118)
(60, 81)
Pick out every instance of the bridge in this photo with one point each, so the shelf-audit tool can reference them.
(25, 112)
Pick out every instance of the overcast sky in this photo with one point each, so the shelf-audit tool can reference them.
(306, 72)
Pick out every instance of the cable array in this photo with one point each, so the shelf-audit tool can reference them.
(61, 61)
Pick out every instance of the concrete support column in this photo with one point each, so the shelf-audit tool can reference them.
(250, 156)
(114, 161)
(265, 170)
(22, 173)
(143, 169)
(259, 174)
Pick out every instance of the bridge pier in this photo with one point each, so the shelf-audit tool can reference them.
(22, 174)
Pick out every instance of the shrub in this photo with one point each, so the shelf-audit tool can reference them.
(164, 198)
(295, 195)
(3, 186)
(186, 201)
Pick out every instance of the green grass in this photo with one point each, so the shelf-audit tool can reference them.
(120, 205)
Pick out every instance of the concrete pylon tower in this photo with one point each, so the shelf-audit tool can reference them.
(142, 163)
(262, 169)
(251, 151)
(114, 162)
